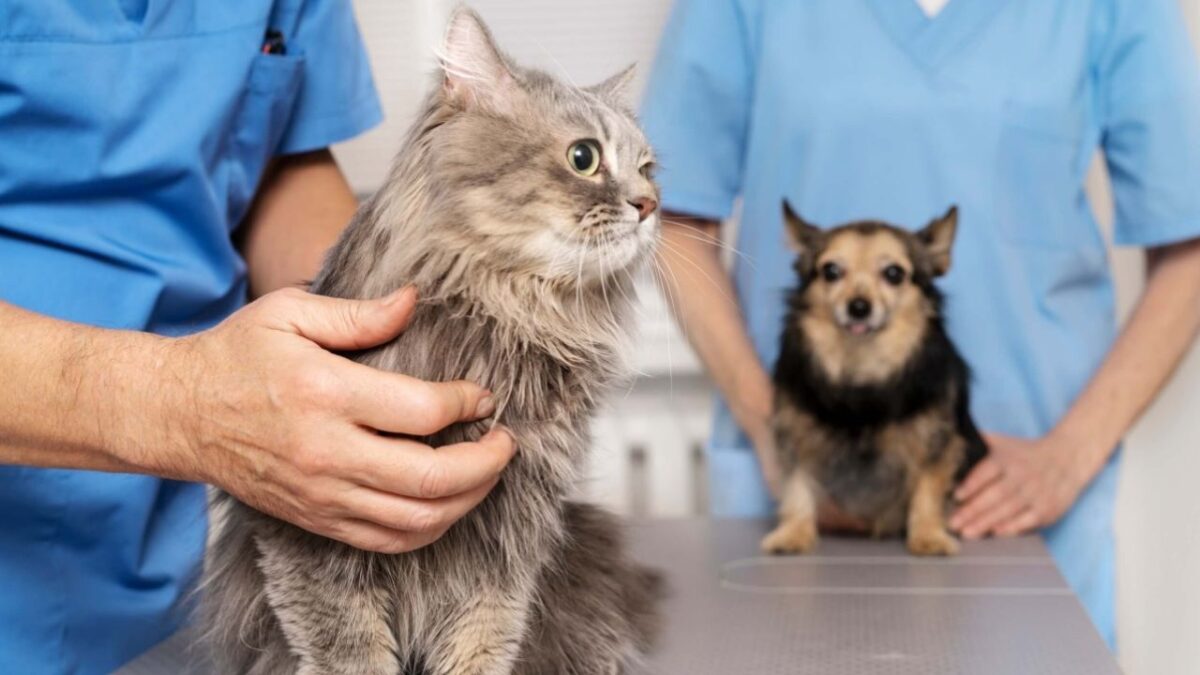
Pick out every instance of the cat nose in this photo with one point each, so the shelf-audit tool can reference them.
(645, 206)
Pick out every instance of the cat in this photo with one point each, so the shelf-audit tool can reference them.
(520, 207)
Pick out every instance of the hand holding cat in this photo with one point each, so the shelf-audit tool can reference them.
(293, 430)
(1022, 485)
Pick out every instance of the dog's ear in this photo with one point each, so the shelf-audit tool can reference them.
(804, 236)
(938, 239)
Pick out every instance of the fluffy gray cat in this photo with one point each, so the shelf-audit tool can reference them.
(520, 207)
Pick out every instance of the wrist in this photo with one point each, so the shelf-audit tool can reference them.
(1082, 451)
(134, 382)
(755, 422)
(751, 405)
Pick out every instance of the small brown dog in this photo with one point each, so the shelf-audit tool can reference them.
(871, 404)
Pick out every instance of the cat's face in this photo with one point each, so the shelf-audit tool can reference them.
(554, 180)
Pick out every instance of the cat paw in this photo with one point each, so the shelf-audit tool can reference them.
(790, 539)
(932, 542)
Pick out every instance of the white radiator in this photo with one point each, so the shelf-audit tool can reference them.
(646, 455)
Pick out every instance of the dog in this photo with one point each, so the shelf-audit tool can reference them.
(871, 405)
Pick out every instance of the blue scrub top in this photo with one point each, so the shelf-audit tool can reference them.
(133, 134)
(869, 109)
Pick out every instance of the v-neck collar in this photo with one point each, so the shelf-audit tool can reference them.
(929, 40)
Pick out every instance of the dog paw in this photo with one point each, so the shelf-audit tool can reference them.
(790, 538)
(933, 542)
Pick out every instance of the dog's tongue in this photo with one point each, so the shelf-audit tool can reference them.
(858, 328)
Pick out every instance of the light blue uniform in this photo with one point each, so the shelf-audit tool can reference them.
(868, 109)
(133, 134)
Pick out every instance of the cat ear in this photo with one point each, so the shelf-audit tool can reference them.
(475, 72)
(938, 238)
(804, 236)
(616, 88)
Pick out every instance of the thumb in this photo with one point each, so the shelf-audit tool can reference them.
(346, 325)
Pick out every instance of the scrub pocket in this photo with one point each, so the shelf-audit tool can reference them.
(266, 109)
(1038, 174)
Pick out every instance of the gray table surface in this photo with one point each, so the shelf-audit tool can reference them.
(855, 607)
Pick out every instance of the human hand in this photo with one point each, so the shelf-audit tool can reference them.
(1022, 485)
(266, 413)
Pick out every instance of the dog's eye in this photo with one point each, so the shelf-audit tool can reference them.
(831, 271)
(894, 274)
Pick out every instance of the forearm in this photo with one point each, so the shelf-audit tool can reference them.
(702, 298)
(75, 396)
(302, 207)
(1160, 332)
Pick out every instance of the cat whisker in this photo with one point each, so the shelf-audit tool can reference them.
(660, 272)
(623, 279)
(682, 255)
(693, 232)
(604, 258)
(579, 278)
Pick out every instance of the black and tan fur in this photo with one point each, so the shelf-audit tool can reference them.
(871, 405)
(525, 277)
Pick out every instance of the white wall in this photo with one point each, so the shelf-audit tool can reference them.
(1158, 509)
(1158, 512)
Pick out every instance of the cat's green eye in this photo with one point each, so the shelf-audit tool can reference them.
(584, 157)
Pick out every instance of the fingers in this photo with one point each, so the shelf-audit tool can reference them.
(410, 469)
(978, 504)
(407, 494)
(1025, 521)
(996, 503)
(339, 324)
(414, 516)
(405, 405)
(1005, 509)
(985, 473)
(372, 537)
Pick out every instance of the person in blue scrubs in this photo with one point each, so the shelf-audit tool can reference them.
(876, 109)
(161, 161)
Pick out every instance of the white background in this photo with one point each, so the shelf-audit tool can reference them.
(663, 417)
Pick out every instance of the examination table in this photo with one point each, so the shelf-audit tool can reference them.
(855, 607)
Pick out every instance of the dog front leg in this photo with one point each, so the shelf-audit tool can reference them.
(927, 533)
(797, 530)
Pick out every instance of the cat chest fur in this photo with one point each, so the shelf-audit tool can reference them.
(546, 405)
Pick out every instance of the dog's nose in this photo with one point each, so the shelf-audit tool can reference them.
(859, 308)
(645, 206)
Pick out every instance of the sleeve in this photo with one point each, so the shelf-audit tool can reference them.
(1150, 101)
(697, 105)
(337, 98)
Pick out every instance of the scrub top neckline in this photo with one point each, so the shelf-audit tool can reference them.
(930, 40)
